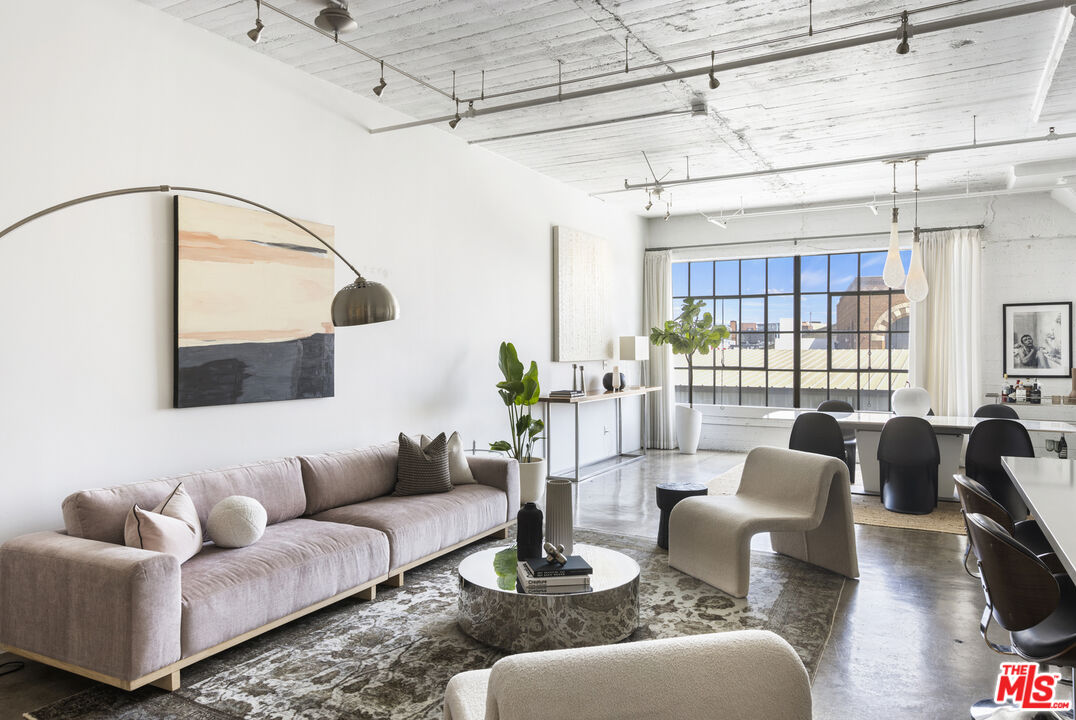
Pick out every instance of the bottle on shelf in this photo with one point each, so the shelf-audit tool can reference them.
(1005, 388)
(1062, 448)
(1036, 394)
(1017, 392)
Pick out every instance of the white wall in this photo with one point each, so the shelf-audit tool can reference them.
(117, 94)
(1029, 253)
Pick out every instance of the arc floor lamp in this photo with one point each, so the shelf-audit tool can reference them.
(360, 302)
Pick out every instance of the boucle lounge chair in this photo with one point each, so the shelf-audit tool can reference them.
(801, 499)
(742, 674)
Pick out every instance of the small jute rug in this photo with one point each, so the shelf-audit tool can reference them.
(392, 657)
(868, 509)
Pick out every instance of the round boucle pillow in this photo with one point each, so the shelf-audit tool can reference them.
(236, 522)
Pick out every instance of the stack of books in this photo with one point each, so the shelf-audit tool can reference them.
(567, 393)
(541, 577)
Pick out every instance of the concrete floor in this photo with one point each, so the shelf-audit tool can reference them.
(905, 641)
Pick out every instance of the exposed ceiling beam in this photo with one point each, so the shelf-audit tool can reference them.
(887, 35)
(1064, 31)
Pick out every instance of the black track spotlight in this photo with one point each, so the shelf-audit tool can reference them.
(714, 82)
(456, 120)
(256, 33)
(380, 87)
(903, 48)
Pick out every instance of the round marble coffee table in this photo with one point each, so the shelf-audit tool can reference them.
(515, 621)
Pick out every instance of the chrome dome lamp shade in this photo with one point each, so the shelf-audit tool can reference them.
(336, 19)
(362, 302)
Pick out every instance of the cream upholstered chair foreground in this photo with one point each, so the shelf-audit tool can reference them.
(743, 674)
(801, 499)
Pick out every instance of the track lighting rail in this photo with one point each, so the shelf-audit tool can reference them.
(725, 51)
(886, 36)
(888, 157)
(360, 51)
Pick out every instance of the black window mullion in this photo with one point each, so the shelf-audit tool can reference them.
(796, 364)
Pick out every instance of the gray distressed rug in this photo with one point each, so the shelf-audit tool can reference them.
(391, 658)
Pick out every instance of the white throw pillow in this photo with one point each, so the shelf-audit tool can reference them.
(458, 468)
(236, 521)
(172, 527)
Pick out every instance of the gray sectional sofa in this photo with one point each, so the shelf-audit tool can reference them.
(82, 601)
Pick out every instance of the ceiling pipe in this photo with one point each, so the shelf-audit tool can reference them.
(926, 28)
(596, 123)
(888, 157)
(854, 205)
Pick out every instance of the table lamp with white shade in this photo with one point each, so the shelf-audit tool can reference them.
(635, 347)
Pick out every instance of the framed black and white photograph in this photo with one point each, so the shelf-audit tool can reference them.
(1038, 339)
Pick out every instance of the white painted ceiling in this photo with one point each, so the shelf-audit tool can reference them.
(1018, 76)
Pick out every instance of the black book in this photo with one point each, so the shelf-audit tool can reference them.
(567, 393)
(575, 566)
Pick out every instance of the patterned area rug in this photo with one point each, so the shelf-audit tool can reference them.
(391, 658)
(868, 509)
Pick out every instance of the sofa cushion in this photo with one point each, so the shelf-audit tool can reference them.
(227, 592)
(100, 514)
(422, 469)
(348, 476)
(420, 525)
(171, 527)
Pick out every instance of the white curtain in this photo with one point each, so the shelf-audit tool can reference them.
(945, 327)
(657, 308)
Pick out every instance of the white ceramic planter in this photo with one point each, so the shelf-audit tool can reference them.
(532, 482)
(688, 429)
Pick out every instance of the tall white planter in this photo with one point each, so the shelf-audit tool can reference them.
(532, 481)
(688, 429)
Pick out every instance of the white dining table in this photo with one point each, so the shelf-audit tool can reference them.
(950, 430)
(1048, 487)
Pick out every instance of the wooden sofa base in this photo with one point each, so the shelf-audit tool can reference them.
(167, 678)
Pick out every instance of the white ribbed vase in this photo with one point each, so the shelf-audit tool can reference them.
(558, 514)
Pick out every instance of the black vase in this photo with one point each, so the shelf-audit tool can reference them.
(529, 532)
(607, 381)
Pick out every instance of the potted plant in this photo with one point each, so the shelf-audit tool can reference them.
(520, 391)
(694, 331)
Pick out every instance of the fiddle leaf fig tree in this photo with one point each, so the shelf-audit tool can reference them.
(694, 331)
(519, 391)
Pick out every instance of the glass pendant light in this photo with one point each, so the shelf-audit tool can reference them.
(917, 286)
(893, 272)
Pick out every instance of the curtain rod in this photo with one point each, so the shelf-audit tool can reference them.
(810, 238)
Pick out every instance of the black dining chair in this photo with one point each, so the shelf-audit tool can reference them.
(975, 498)
(839, 406)
(997, 410)
(990, 440)
(818, 433)
(908, 459)
(1025, 596)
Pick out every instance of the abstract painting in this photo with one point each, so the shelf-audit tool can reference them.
(1038, 339)
(582, 325)
(252, 299)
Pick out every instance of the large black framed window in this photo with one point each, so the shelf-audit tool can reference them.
(803, 329)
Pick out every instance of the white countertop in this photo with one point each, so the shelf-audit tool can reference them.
(951, 424)
(1048, 487)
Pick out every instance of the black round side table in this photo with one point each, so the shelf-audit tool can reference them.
(668, 495)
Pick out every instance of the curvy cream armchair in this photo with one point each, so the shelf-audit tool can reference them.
(748, 673)
(801, 499)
